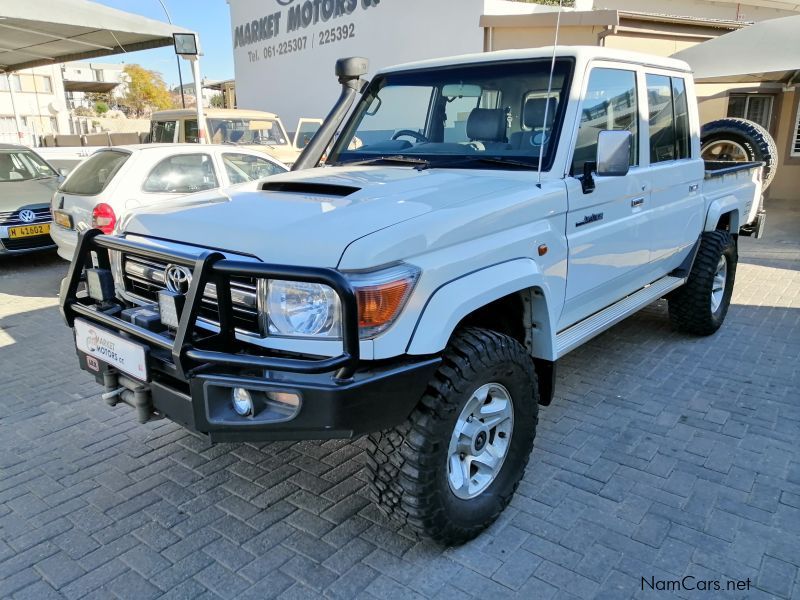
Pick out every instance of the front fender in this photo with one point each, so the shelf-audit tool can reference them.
(448, 306)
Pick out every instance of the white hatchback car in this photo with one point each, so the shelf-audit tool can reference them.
(114, 181)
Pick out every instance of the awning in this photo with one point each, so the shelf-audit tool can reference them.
(97, 87)
(43, 32)
(766, 51)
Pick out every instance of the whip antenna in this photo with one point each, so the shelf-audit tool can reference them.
(545, 137)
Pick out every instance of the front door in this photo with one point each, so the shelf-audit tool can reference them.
(609, 249)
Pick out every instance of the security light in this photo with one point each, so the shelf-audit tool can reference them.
(185, 44)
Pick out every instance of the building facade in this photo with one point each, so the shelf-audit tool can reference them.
(39, 97)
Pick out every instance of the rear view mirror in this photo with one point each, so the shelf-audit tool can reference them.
(613, 153)
(461, 90)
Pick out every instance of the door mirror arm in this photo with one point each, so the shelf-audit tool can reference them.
(587, 180)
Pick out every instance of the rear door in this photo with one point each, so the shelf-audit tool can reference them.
(677, 206)
(607, 232)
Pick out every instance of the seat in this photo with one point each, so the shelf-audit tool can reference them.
(533, 121)
(488, 126)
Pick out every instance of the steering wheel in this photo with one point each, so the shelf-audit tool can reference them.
(416, 135)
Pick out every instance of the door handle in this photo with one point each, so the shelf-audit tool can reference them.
(694, 187)
(637, 202)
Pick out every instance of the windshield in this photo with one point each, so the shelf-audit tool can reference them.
(246, 131)
(23, 165)
(460, 116)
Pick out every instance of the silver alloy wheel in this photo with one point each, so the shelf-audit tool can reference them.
(480, 441)
(718, 287)
(724, 150)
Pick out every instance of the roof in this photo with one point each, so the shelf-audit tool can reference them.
(13, 147)
(580, 53)
(210, 113)
(43, 32)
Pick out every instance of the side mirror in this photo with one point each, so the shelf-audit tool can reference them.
(613, 153)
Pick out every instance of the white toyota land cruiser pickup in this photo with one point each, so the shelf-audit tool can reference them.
(504, 209)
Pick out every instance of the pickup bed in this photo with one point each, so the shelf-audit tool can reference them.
(503, 209)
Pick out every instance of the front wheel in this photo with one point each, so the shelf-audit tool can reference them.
(453, 466)
(700, 305)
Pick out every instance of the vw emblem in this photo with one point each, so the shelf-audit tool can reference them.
(177, 278)
(27, 216)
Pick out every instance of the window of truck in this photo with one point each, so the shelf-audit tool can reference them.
(190, 133)
(163, 132)
(466, 111)
(94, 174)
(610, 104)
(669, 118)
(246, 131)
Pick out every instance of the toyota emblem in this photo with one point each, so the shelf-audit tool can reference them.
(27, 216)
(178, 279)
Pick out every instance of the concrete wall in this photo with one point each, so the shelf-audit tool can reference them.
(787, 179)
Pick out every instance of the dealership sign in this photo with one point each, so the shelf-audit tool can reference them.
(295, 16)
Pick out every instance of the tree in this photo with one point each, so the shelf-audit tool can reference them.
(217, 101)
(146, 91)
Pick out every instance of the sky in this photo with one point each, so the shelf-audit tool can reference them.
(209, 18)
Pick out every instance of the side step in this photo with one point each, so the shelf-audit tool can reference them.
(583, 331)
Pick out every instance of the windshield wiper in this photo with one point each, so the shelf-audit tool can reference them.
(492, 160)
(398, 159)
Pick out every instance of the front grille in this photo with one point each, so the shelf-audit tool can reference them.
(12, 217)
(144, 278)
(28, 243)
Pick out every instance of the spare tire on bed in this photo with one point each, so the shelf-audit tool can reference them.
(739, 140)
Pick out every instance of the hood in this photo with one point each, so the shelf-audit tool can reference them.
(309, 217)
(19, 194)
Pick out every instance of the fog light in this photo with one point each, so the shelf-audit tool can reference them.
(170, 305)
(242, 402)
(100, 284)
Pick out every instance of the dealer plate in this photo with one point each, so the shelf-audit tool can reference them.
(114, 350)
(28, 230)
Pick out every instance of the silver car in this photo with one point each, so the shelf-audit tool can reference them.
(27, 183)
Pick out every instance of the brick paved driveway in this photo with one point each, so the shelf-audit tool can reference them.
(662, 456)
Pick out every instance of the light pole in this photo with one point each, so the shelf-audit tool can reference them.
(177, 58)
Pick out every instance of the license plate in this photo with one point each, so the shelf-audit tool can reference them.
(28, 230)
(114, 350)
(62, 218)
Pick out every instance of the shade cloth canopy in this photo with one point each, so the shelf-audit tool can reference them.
(43, 32)
(766, 51)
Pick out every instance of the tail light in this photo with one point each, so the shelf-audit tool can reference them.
(103, 218)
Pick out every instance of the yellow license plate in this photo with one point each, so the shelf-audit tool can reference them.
(62, 219)
(28, 230)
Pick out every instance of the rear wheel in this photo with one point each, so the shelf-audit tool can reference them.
(700, 305)
(453, 466)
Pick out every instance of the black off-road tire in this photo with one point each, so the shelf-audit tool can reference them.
(690, 308)
(752, 137)
(409, 464)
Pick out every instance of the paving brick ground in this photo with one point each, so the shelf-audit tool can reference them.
(662, 456)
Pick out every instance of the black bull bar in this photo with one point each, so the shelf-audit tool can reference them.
(210, 267)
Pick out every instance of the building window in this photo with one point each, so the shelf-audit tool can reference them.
(45, 84)
(796, 138)
(753, 107)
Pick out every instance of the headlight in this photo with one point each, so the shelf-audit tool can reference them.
(295, 309)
